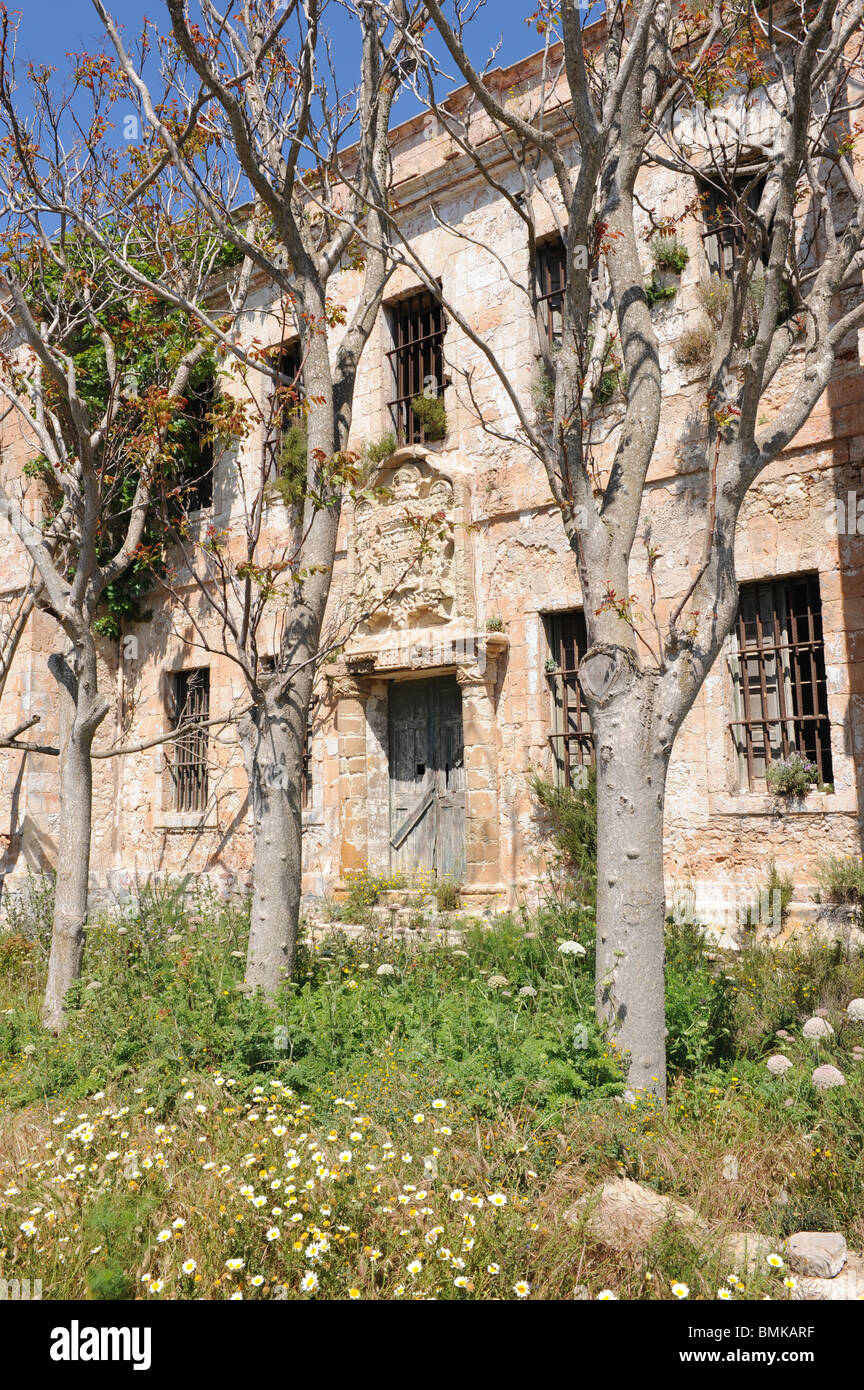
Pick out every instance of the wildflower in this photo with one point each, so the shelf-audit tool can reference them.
(189, 1266)
(234, 1264)
(418, 1119)
(571, 948)
(497, 1199)
(734, 1281)
(457, 1195)
(345, 1156)
(236, 1297)
(415, 1267)
(725, 1294)
(461, 1282)
(680, 1290)
(156, 1285)
(178, 1223)
(353, 1293)
(28, 1227)
(607, 1296)
(790, 1281)
(522, 1289)
(257, 1280)
(309, 1282)
(163, 1236)
(385, 969)
(775, 1261)
(493, 1269)
(188, 1095)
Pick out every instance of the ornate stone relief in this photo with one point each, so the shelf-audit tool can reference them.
(409, 551)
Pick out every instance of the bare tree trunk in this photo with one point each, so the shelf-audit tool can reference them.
(76, 813)
(631, 904)
(273, 749)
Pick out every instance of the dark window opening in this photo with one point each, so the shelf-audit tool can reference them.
(778, 677)
(190, 707)
(551, 280)
(197, 458)
(289, 424)
(570, 736)
(417, 361)
(726, 231)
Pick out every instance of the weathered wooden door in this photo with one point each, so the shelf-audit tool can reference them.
(427, 778)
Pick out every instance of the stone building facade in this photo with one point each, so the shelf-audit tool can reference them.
(459, 683)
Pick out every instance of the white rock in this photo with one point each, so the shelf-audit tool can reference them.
(730, 1167)
(817, 1028)
(778, 1065)
(855, 1010)
(826, 1077)
(820, 1254)
(622, 1215)
(847, 1285)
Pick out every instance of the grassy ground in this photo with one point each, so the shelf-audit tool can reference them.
(403, 1123)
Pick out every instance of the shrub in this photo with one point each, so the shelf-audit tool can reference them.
(494, 624)
(792, 776)
(573, 816)
(695, 346)
(379, 450)
(30, 913)
(447, 894)
(669, 253)
(700, 1005)
(364, 893)
(840, 880)
(430, 412)
(290, 480)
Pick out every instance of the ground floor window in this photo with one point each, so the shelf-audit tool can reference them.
(189, 710)
(570, 727)
(777, 664)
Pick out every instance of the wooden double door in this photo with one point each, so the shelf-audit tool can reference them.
(427, 778)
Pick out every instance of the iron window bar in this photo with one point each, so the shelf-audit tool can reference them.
(189, 771)
(778, 671)
(572, 741)
(416, 360)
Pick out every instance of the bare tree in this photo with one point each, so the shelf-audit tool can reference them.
(609, 106)
(94, 373)
(256, 92)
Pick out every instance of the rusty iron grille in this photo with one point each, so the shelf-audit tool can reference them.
(267, 665)
(551, 279)
(725, 235)
(778, 675)
(190, 705)
(417, 360)
(570, 739)
(197, 459)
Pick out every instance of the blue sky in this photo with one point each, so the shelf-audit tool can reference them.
(50, 28)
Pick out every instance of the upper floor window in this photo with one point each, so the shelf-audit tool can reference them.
(417, 360)
(551, 279)
(189, 709)
(570, 734)
(777, 665)
(197, 456)
(725, 232)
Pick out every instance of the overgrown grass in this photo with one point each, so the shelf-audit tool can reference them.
(180, 1120)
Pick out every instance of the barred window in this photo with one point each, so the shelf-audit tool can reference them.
(726, 234)
(570, 737)
(551, 279)
(777, 664)
(417, 362)
(197, 457)
(189, 705)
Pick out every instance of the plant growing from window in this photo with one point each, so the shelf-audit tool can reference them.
(669, 253)
(432, 416)
(792, 776)
(495, 624)
(655, 292)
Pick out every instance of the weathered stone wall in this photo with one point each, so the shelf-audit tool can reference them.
(507, 559)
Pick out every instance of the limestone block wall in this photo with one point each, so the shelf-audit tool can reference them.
(516, 568)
